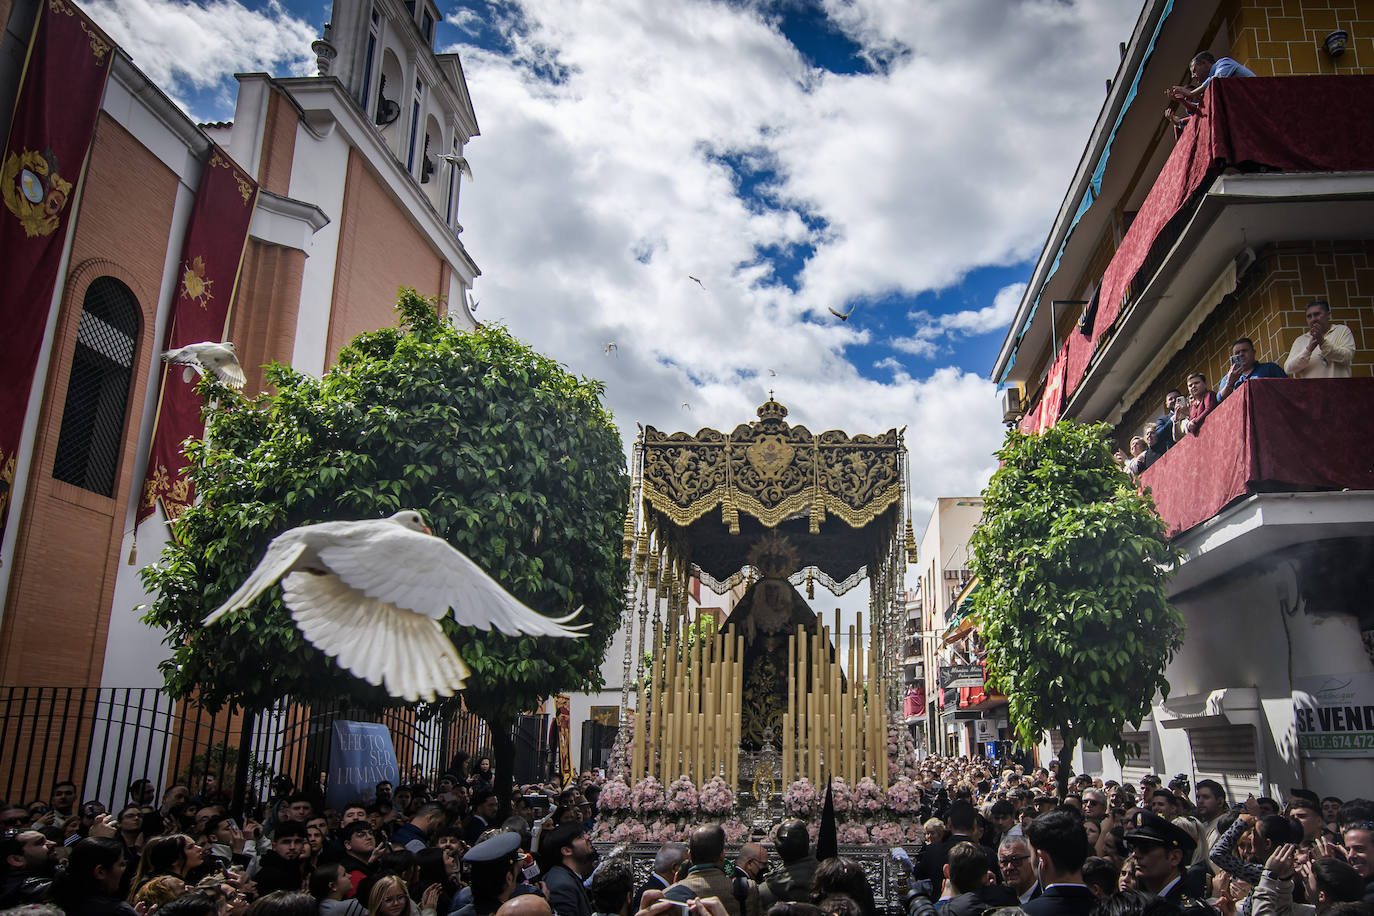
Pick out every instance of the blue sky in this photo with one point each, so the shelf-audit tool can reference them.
(900, 158)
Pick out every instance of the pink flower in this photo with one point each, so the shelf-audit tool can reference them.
(647, 796)
(681, 797)
(615, 796)
(852, 832)
(888, 834)
(800, 799)
(716, 796)
(735, 831)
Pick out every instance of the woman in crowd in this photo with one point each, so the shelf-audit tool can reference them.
(166, 855)
(157, 892)
(89, 886)
(329, 885)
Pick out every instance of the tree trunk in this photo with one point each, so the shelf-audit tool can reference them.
(503, 762)
(1066, 749)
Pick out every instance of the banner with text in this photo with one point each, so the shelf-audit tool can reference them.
(1334, 715)
(360, 756)
(50, 137)
(212, 252)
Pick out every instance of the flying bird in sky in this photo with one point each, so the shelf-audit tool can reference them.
(612, 348)
(217, 359)
(843, 316)
(696, 281)
(370, 594)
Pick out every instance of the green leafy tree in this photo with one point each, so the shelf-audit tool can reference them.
(510, 458)
(1072, 565)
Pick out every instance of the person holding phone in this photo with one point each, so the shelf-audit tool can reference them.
(1244, 367)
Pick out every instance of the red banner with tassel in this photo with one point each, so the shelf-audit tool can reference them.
(212, 254)
(45, 155)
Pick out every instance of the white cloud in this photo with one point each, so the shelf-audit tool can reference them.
(931, 329)
(184, 46)
(599, 193)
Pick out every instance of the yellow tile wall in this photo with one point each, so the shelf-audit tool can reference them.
(1269, 307)
(1285, 37)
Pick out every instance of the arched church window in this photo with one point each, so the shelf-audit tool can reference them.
(98, 387)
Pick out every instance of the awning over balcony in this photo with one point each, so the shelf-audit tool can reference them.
(1272, 435)
(1286, 124)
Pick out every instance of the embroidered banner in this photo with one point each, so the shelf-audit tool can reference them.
(562, 706)
(50, 138)
(211, 255)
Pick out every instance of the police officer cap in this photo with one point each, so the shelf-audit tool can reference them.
(1151, 828)
(501, 847)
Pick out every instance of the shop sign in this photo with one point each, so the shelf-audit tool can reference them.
(1334, 714)
(961, 676)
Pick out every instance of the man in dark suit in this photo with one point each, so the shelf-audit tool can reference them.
(567, 856)
(1059, 846)
(962, 820)
(666, 865)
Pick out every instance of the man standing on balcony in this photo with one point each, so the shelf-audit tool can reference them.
(1244, 368)
(1203, 69)
(1326, 350)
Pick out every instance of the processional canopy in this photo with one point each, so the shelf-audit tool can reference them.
(771, 505)
(832, 502)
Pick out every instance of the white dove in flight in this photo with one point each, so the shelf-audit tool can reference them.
(218, 359)
(370, 594)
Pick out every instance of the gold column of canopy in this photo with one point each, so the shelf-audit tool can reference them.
(839, 504)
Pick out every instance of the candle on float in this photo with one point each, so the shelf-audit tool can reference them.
(640, 738)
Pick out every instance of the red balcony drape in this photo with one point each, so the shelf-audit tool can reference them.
(1289, 124)
(1272, 435)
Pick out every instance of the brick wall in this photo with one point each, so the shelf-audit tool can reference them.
(1285, 37)
(266, 307)
(65, 561)
(1269, 307)
(380, 250)
(278, 144)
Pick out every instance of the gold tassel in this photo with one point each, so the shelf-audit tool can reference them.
(133, 549)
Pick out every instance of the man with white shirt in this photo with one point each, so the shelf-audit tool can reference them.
(1325, 351)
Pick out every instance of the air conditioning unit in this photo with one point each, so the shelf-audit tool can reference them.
(1012, 408)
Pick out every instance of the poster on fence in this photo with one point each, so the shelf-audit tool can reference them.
(1334, 714)
(360, 756)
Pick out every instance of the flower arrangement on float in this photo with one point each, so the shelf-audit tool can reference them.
(648, 811)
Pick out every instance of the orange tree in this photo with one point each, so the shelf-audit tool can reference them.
(511, 459)
(1072, 564)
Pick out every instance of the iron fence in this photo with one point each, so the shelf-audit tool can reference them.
(104, 738)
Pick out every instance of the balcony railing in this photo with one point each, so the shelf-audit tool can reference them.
(1271, 436)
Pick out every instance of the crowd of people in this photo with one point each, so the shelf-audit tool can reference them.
(996, 839)
(401, 852)
(1325, 350)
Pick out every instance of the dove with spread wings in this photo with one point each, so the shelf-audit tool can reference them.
(208, 358)
(370, 594)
